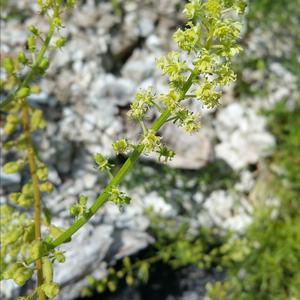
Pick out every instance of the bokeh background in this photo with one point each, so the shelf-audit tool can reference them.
(222, 220)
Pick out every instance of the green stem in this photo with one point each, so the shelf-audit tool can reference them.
(127, 166)
(36, 192)
(39, 58)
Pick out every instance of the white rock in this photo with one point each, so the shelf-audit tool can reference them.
(159, 206)
(243, 135)
(224, 210)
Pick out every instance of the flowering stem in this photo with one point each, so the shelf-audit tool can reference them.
(37, 62)
(116, 180)
(36, 191)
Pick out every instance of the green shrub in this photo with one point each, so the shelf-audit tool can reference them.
(267, 265)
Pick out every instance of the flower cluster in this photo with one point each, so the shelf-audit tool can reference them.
(210, 40)
(150, 141)
(189, 38)
(119, 198)
(121, 146)
(102, 163)
(213, 45)
(141, 104)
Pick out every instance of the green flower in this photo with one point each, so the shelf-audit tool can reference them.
(227, 30)
(172, 66)
(189, 38)
(121, 146)
(187, 120)
(51, 289)
(170, 100)
(165, 153)
(142, 102)
(225, 74)
(205, 62)
(102, 163)
(151, 141)
(208, 95)
(14, 166)
(22, 275)
(213, 8)
(192, 10)
(118, 197)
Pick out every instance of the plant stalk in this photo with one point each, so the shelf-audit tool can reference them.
(36, 192)
(37, 62)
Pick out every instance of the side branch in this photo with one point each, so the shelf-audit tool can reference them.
(129, 163)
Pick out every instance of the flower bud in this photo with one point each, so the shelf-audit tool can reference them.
(102, 163)
(76, 210)
(31, 41)
(22, 58)
(129, 280)
(13, 197)
(34, 30)
(13, 167)
(51, 290)
(11, 124)
(37, 121)
(60, 42)
(42, 173)
(8, 273)
(12, 118)
(46, 187)
(9, 128)
(112, 286)
(22, 275)
(44, 64)
(57, 22)
(27, 188)
(36, 250)
(11, 236)
(25, 200)
(82, 200)
(120, 274)
(23, 92)
(35, 89)
(9, 66)
(28, 236)
(71, 3)
(100, 288)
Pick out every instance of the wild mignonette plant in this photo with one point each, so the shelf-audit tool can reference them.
(198, 70)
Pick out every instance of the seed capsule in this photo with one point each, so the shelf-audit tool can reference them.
(8, 274)
(51, 290)
(47, 270)
(22, 275)
(36, 250)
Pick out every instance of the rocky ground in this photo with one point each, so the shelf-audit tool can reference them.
(85, 96)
